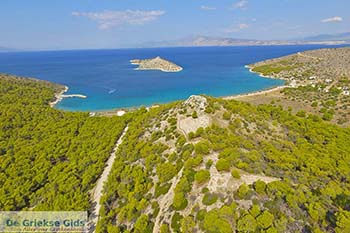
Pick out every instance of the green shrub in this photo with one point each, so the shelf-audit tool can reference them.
(175, 222)
(208, 164)
(226, 116)
(327, 116)
(247, 223)
(200, 215)
(161, 189)
(205, 190)
(301, 114)
(202, 176)
(141, 225)
(265, 220)
(194, 115)
(164, 228)
(191, 135)
(202, 148)
(210, 198)
(242, 191)
(166, 171)
(254, 211)
(222, 165)
(180, 201)
(235, 174)
(260, 187)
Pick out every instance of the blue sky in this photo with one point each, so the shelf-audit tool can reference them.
(69, 24)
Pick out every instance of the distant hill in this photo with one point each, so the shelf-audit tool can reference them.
(343, 38)
(330, 37)
(212, 41)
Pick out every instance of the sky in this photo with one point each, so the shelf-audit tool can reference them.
(92, 24)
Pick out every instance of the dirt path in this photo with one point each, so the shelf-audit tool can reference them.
(97, 192)
(166, 201)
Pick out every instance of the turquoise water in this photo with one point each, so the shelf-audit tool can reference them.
(109, 81)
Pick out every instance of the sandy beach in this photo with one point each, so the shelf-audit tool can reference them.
(257, 93)
(263, 92)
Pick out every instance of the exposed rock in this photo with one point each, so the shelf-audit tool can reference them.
(197, 104)
(190, 124)
(196, 101)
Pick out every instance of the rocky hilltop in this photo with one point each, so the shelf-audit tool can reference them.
(156, 63)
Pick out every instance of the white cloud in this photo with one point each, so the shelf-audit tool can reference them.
(332, 20)
(110, 19)
(237, 28)
(241, 4)
(208, 8)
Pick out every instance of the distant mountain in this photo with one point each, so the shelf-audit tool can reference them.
(330, 37)
(343, 38)
(212, 41)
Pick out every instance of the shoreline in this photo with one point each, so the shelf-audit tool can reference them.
(262, 75)
(163, 70)
(60, 96)
(121, 111)
(255, 93)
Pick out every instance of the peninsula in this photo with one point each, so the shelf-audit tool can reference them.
(156, 63)
(317, 81)
(60, 95)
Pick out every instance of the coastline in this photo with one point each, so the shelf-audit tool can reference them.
(160, 69)
(256, 93)
(260, 74)
(118, 111)
(59, 96)
(124, 110)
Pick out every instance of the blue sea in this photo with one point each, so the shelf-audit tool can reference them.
(109, 81)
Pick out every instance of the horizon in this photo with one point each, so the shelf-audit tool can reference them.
(66, 25)
(11, 50)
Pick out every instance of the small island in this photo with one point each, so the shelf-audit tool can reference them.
(156, 63)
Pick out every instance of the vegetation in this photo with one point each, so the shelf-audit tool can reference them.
(296, 167)
(235, 174)
(273, 69)
(202, 176)
(223, 165)
(49, 159)
(210, 198)
(307, 156)
(318, 83)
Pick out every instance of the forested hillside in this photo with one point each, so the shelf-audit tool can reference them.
(49, 159)
(248, 169)
(201, 165)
